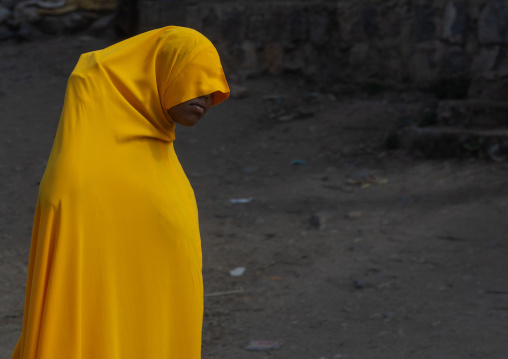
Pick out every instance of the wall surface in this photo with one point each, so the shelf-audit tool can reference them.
(394, 42)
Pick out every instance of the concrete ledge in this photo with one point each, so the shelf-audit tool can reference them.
(451, 142)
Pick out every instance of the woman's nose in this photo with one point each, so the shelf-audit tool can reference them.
(208, 98)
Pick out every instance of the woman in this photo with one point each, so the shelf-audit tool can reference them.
(115, 260)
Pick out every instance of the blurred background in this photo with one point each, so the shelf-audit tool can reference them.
(352, 192)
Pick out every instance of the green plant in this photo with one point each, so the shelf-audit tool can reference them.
(475, 147)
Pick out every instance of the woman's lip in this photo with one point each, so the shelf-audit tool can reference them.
(198, 107)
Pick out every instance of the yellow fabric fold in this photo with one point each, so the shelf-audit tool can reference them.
(115, 260)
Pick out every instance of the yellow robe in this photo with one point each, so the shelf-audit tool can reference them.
(115, 260)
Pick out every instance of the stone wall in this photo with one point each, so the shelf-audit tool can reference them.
(393, 42)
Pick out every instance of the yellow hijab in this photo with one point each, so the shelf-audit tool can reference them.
(115, 260)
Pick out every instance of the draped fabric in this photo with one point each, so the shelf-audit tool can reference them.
(115, 259)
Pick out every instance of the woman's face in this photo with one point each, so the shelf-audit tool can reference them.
(188, 113)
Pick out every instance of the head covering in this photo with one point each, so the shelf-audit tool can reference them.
(141, 77)
(115, 259)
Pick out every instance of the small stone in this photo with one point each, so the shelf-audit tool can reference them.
(298, 162)
(320, 219)
(493, 23)
(250, 169)
(388, 315)
(238, 92)
(361, 283)
(238, 271)
(354, 215)
(286, 118)
(495, 152)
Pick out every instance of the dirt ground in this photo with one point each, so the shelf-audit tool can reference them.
(355, 253)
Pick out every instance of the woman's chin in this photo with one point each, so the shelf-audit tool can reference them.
(189, 122)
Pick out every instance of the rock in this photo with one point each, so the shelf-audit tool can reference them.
(493, 23)
(102, 24)
(359, 54)
(473, 114)
(361, 283)
(455, 23)
(370, 17)
(237, 272)
(75, 21)
(378, 280)
(250, 169)
(276, 25)
(364, 58)
(127, 18)
(320, 219)
(311, 65)
(451, 142)
(72, 22)
(25, 13)
(489, 90)
(51, 25)
(501, 70)
(354, 214)
(424, 22)
(27, 32)
(423, 69)
(273, 57)
(156, 14)
(484, 62)
(350, 23)
(388, 315)
(238, 91)
(4, 14)
(297, 26)
(232, 27)
(495, 153)
(456, 62)
(319, 24)
(256, 27)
